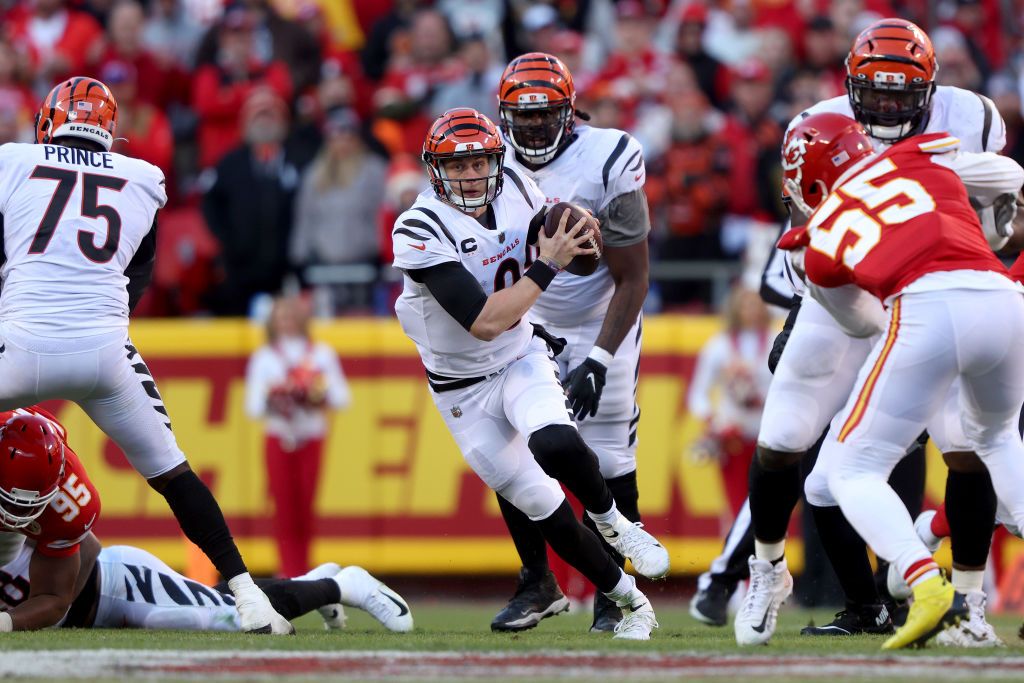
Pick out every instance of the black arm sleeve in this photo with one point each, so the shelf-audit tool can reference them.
(536, 223)
(455, 289)
(140, 270)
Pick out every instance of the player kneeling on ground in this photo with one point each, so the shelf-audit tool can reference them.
(898, 225)
(57, 573)
(469, 284)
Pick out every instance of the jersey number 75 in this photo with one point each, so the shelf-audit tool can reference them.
(91, 208)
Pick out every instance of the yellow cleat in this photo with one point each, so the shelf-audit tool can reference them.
(936, 607)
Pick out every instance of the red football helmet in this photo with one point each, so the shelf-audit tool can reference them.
(890, 79)
(462, 134)
(80, 107)
(816, 152)
(537, 106)
(31, 468)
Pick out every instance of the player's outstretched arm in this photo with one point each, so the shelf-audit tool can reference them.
(53, 582)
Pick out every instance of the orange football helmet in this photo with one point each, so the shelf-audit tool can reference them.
(890, 79)
(537, 106)
(464, 134)
(816, 152)
(80, 107)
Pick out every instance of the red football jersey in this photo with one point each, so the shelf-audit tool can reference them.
(73, 512)
(897, 219)
(1017, 269)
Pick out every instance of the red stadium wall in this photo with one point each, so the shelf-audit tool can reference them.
(395, 495)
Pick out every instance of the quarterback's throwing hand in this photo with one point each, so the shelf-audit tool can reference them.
(583, 388)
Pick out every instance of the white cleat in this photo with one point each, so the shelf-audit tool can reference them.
(360, 589)
(637, 622)
(923, 527)
(973, 632)
(770, 585)
(629, 539)
(258, 615)
(333, 614)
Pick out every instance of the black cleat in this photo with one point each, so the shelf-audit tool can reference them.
(537, 597)
(854, 620)
(710, 605)
(607, 614)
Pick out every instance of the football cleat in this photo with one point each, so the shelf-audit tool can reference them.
(770, 585)
(333, 614)
(629, 539)
(607, 614)
(936, 607)
(975, 631)
(360, 589)
(854, 620)
(257, 615)
(711, 605)
(637, 622)
(537, 597)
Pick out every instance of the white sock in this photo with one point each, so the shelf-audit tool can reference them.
(605, 517)
(773, 552)
(968, 581)
(240, 582)
(625, 592)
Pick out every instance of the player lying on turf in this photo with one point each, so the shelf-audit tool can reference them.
(898, 225)
(55, 573)
(468, 286)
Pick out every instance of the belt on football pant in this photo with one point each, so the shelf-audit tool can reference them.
(441, 383)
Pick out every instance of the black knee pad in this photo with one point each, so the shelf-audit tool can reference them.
(560, 450)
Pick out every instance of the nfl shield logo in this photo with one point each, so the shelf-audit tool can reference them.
(456, 411)
(501, 238)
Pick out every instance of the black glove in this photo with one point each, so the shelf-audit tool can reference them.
(583, 388)
(556, 344)
(779, 345)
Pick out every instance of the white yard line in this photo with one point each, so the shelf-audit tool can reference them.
(405, 665)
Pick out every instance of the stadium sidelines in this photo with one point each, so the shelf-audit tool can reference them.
(539, 665)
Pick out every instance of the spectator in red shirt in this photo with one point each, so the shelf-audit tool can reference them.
(753, 138)
(60, 41)
(17, 104)
(145, 130)
(219, 90)
(635, 71)
(158, 83)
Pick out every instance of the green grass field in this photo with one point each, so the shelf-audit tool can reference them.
(457, 644)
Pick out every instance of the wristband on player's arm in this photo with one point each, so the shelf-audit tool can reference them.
(542, 273)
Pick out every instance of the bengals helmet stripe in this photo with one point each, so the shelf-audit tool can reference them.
(537, 106)
(891, 78)
(79, 107)
(464, 133)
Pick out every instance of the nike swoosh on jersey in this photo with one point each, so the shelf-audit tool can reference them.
(402, 609)
(421, 247)
(638, 176)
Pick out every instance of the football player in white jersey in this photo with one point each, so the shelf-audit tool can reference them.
(892, 93)
(469, 282)
(598, 315)
(79, 231)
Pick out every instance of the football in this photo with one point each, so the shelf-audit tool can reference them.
(584, 264)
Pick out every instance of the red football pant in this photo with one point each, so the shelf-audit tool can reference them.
(292, 478)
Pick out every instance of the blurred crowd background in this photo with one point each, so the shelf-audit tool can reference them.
(289, 130)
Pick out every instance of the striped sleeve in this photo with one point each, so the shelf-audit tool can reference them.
(421, 240)
(623, 170)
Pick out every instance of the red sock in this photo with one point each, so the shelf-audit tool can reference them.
(940, 524)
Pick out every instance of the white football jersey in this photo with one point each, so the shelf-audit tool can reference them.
(600, 165)
(72, 221)
(432, 232)
(956, 111)
(14, 583)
